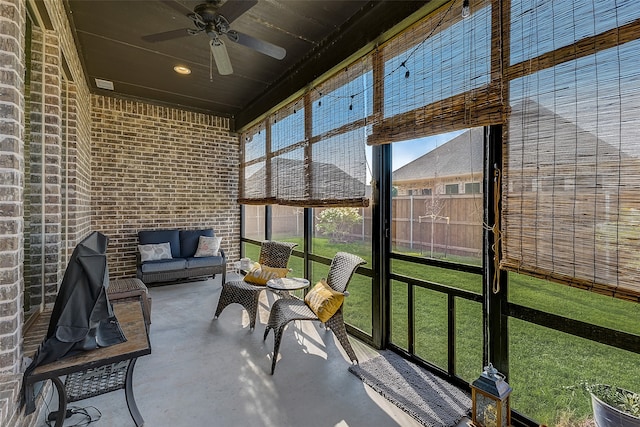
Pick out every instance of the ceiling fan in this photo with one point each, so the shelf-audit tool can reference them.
(215, 21)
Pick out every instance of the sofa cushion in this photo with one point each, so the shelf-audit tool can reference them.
(146, 237)
(164, 265)
(189, 240)
(209, 261)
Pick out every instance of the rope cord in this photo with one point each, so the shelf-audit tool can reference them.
(497, 234)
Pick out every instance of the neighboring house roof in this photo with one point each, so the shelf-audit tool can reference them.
(463, 154)
(328, 181)
(460, 156)
(561, 140)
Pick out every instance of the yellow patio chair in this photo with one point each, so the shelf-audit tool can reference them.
(291, 308)
(273, 255)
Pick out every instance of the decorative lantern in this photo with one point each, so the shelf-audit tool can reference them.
(490, 399)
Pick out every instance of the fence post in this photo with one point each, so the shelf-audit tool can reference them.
(411, 221)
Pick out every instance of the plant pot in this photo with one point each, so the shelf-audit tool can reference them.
(606, 415)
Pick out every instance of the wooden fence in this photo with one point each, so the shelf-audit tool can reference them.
(454, 221)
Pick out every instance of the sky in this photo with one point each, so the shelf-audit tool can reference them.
(407, 151)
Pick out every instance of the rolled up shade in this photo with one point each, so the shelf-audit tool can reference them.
(440, 75)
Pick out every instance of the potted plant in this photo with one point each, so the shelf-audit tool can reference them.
(614, 406)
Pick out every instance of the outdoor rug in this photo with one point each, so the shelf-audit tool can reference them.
(428, 398)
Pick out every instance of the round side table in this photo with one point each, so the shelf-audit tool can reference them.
(285, 285)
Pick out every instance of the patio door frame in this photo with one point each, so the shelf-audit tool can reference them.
(381, 245)
(494, 306)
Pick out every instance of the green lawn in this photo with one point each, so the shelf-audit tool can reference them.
(546, 366)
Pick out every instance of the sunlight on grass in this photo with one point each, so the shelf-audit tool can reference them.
(431, 326)
(459, 259)
(468, 339)
(574, 303)
(456, 279)
(548, 366)
(357, 307)
(399, 314)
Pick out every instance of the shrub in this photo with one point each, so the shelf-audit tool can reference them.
(337, 222)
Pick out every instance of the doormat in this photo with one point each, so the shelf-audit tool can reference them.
(428, 398)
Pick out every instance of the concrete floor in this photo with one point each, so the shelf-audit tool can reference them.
(215, 373)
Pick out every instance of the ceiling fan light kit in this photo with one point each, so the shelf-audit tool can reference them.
(215, 21)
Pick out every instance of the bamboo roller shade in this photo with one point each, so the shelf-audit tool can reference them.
(571, 204)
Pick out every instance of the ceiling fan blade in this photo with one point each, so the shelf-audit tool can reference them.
(166, 35)
(180, 8)
(221, 56)
(232, 9)
(261, 46)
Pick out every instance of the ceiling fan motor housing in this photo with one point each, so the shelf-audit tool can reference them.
(207, 18)
(207, 11)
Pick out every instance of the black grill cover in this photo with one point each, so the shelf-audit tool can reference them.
(82, 317)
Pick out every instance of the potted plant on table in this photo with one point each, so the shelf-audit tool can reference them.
(614, 406)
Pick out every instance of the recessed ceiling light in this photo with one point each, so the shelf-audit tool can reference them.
(181, 69)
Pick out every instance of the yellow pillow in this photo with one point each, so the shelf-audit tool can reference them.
(261, 274)
(323, 300)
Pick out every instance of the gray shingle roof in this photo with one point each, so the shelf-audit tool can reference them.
(289, 180)
(464, 153)
(459, 156)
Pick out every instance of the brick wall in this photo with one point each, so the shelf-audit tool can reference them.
(34, 117)
(12, 29)
(76, 170)
(76, 139)
(42, 191)
(159, 167)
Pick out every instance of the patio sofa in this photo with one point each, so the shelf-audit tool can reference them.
(171, 255)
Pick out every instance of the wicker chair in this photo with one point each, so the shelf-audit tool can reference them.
(285, 310)
(272, 254)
